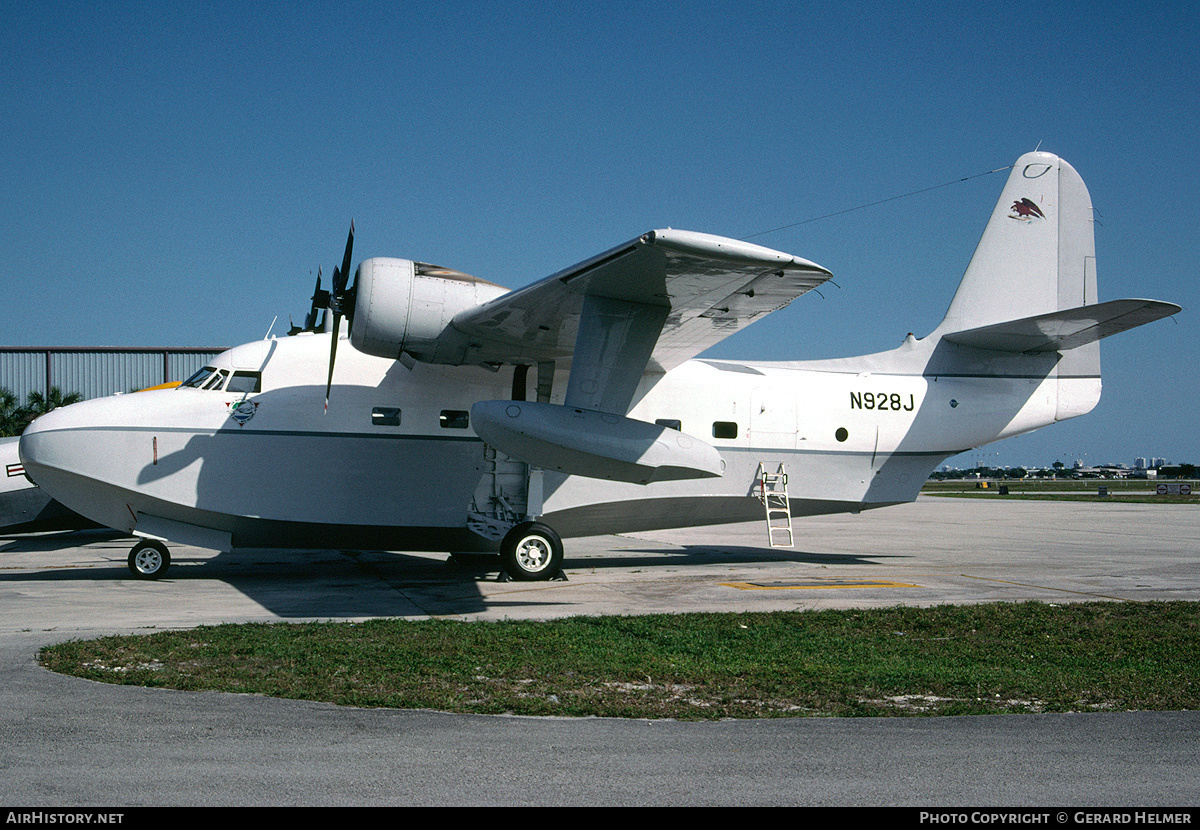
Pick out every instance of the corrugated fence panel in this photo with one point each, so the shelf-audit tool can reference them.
(96, 372)
(23, 372)
(182, 366)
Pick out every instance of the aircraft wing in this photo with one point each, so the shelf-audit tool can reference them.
(647, 305)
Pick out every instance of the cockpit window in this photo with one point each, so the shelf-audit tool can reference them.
(213, 379)
(200, 378)
(245, 383)
(218, 380)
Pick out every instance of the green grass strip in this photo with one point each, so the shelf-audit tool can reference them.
(945, 660)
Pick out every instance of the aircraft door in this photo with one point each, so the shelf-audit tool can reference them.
(772, 423)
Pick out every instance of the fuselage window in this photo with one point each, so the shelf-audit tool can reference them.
(385, 416)
(197, 380)
(245, 383)
(670, 423)
(724, 429)
(454, 419)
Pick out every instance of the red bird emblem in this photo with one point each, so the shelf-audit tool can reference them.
(1026, 209)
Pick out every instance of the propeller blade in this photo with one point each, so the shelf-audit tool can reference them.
(346, 256)
(341, 303)
(332, 357)
(320, 300)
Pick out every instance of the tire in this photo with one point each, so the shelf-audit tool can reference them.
(531, 552)
(149, 559)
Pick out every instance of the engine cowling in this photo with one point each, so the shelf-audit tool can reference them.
(403, 306)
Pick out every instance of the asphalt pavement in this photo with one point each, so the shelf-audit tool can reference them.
(68, 742)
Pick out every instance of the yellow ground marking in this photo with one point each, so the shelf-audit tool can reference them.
(806, 586)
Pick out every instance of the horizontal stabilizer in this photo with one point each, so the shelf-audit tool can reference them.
(1060, 331)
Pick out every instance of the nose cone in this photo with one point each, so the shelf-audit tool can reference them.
(93, 456)
(83, 438)
(65, 455)
(38, 448)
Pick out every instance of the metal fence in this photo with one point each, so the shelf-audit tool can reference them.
(95, 372)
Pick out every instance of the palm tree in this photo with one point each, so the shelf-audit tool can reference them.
(9, 414)
(38, 404)
(14, 419)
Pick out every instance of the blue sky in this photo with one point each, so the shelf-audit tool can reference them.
(175, 172)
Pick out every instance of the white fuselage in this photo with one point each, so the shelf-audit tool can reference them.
(246, 455)
(394, 464)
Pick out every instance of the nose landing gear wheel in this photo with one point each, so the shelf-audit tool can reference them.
(149, 559)
(531, 552)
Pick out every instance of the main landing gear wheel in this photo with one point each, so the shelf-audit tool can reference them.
(531, 552)
(149, 559)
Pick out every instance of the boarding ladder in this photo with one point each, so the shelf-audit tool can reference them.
(774, 496)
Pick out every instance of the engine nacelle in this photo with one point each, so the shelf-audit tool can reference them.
(402, 305)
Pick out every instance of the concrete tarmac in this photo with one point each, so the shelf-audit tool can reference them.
(68, 742)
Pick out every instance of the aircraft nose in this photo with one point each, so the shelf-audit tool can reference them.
(89, 455)
(69, 457)
(38, 448)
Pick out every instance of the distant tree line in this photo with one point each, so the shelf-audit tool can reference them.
(14, 416)
(980, 472)
(1056, 470)
(1177, 471)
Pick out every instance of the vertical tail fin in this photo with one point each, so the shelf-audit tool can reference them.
(1037, 256)
(1038, 251)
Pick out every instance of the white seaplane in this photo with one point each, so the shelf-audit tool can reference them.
(467, 417)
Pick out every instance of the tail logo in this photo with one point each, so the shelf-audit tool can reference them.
(1026, 210)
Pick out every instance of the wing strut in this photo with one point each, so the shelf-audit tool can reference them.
(612, 348)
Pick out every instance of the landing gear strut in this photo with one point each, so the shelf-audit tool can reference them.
(149, 559)
(531, 552)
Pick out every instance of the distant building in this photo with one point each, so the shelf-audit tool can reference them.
(95, 372)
